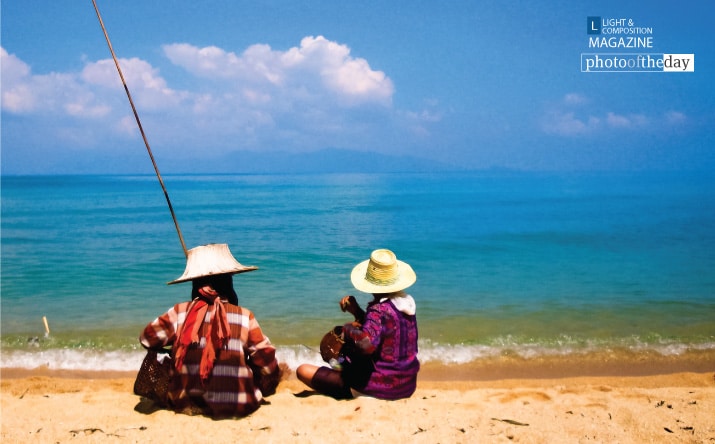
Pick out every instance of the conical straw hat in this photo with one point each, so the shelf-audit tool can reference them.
(382, 273)
(209, 260)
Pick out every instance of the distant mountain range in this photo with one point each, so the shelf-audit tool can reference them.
(330, 160)
(321, 161)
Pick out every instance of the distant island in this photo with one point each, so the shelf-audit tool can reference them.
(321, 161)
(329, 160)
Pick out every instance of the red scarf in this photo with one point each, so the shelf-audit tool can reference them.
(217, 334)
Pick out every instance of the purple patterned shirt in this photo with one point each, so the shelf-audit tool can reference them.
(389, 337)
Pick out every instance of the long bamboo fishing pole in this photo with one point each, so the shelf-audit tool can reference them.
(141, 129)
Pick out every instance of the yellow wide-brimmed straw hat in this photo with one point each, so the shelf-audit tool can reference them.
(209, 260)
(382, 273)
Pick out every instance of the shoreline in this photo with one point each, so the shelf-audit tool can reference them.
(594, 364)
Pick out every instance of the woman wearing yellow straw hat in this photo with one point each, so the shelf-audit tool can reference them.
(381, 357)
(223, 363)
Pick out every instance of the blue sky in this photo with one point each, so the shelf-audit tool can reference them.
(473, 84)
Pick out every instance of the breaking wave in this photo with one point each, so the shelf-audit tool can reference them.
(88, 359)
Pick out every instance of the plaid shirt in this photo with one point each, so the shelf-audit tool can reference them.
(244, 371)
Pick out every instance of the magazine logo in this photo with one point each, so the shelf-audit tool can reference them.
(593, 25)
(623, 33)
(622, 62)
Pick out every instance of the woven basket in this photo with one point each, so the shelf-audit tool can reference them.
(331, 344)
(153, 378)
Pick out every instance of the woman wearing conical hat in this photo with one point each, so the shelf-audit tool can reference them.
(380, 351)
(223, 363)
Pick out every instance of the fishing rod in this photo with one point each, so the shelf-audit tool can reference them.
(141, 129)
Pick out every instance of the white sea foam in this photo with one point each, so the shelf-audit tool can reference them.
(68, 359)
(292, 356)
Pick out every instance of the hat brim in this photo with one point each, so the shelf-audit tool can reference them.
(191, 278)
(406, 278)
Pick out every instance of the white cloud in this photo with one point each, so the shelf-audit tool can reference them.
(312, 95)
(621, 121)
(675, 118)
(568, 119)
(425, 115)
(615, 120)
(574, 99)
(13, 68)
(209, 62)
(145, 84)
(345, 75)
(18, 99)
(127, 125)
(17, 95)
(563, 121)
(316, 69)
(93, 93)
(567, 124)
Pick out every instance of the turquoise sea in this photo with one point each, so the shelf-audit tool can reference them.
(524, 264)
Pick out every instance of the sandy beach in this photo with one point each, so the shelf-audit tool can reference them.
(57, 407)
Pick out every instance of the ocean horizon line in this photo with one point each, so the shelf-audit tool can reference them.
(463, 170)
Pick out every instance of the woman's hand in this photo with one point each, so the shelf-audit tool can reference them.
(349, 304)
